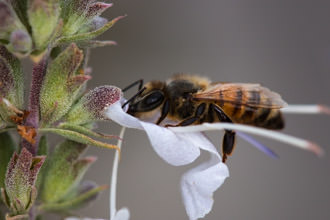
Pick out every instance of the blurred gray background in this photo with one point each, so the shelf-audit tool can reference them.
(283, 44)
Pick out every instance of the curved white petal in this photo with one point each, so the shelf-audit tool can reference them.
(199, 183)
(122, 214)
(175, 149)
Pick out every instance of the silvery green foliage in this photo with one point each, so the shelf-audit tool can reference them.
(23, 28)
(55, 35)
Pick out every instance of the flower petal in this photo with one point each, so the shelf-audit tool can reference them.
(122, 214)
(198, 184)
(175, 149)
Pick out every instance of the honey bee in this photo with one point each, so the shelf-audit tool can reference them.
(189, 99)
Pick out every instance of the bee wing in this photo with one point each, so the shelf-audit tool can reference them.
(251, 95)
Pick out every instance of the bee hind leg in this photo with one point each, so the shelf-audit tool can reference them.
(228, 144)
(228, 141)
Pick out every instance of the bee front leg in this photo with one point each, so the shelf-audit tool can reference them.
(228, 142)
(165, 110)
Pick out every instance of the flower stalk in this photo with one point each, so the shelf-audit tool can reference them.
(114, 176)
(57, 36)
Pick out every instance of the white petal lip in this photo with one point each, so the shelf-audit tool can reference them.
(122, 214)
(198, 184)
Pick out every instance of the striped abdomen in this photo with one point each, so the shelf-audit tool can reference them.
(252, 105)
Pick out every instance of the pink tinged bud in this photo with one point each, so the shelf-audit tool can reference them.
(20, 180)
(97, 9)
(100, 98)
(20, 41)
(92, 105)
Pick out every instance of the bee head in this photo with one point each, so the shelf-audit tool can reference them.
(148, 100)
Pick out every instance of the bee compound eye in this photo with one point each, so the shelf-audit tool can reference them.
(152, 100)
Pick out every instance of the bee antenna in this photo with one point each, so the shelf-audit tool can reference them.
(138, 82)
(133, 97)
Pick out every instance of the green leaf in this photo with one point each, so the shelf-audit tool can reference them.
(78, 137)
(43, 149)
(65, 171)
(82, 198)
(86, 131)
(88, 35)
(61, 84)
(38, 13)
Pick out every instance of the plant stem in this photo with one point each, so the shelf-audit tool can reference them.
(38, 73)
(113, 185)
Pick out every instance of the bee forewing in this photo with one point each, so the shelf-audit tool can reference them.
(252, 95)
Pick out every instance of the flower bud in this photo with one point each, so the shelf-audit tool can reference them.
(20, 42)
(79, 13)
(11, 83)
(12, 31)
(61, 84)
(38, 13)
(65, 170)
(91, 106)
(20, 192)
(7, 148)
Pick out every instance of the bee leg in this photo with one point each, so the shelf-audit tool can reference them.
(228, 142)
(138, 82)
(165, 110)
(185, 122)
(188, 121)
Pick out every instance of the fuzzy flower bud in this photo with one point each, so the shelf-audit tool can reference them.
(81, 12)
(20, 192)
(20, 42)
(61, 84)
(13, 31)
(92, 105)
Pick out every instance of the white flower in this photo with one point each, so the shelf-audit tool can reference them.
(181, 145)
(198, 184)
